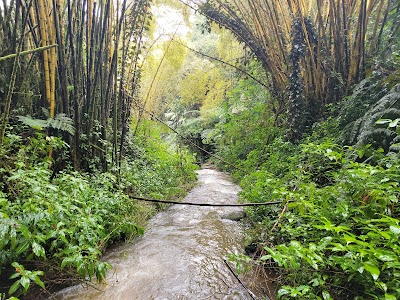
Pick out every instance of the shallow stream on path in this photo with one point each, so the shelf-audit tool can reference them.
(181, 255)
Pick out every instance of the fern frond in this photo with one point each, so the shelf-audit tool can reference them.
(378, 136)
(60, 122)
(384, 103)
(33, 123)
(63, 123)
(46, 112)
(354, 133)
(372, 120)
(366, 129)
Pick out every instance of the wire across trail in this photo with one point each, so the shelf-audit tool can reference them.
(204, 204)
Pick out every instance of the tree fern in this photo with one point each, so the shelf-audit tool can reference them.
(63, 123)
(32, 122)
(364, 94)
(367, 129)
(60, 122)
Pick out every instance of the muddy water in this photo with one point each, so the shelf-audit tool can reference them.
(181, 255)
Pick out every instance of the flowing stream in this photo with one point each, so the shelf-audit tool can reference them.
(181, 255)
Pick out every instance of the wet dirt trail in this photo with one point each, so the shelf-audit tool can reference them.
(181, 255)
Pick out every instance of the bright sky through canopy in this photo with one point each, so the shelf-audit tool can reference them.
(169, 22)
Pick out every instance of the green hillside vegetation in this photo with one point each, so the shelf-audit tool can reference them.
(69, 157)
(298, 100)
(330, 155)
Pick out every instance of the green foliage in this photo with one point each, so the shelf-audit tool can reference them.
(25, 278)
(336, 234)
(67, 219)
(364, 94)
(367, 130)
(345, 250)
(19, 152)
(156, 169)
(394, 127)
(205, 86)
(339, 236)
(296, 103)
(244, 127)
(59, 122)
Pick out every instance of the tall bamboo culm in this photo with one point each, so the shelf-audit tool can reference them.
(342, 37)
(86, 75)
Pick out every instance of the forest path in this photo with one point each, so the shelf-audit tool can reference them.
(181, 255)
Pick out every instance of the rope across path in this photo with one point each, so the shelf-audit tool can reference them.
(205, 204)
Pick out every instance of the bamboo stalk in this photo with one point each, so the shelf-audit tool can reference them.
(62, 74)
(53, 57)
(373, 41)
(43, 35)
(26, 52)
(77, 108)
(13, 78)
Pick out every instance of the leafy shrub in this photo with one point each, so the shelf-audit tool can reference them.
(338, 237)
(69, 218)
(243, 134)
(341, 241)
(156, 168)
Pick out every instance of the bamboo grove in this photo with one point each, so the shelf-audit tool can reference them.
(75, 60)
(313, 51)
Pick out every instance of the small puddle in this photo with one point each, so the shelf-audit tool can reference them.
(181, 255)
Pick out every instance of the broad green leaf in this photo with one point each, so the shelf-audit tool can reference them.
(394, 123)
(265, 257)
(22, 247)
(283, 291)
(349, 238)
(295, 244)
(25, 231)
(14, 287)
(38, 250)
(15, 275)
(67, 261)
(381, 285)
(383, 121)
(391, 264)
(37, 280)
(385, 234)
(90, 269)
(385, 255)
(324, 242)
(17, 266)
(372, 268)
(390, 297)
(338, 247)
(326, 295)
(395, 229)
(25, 282)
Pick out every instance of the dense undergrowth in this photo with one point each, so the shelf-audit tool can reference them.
(55, 226)
(336, 234)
